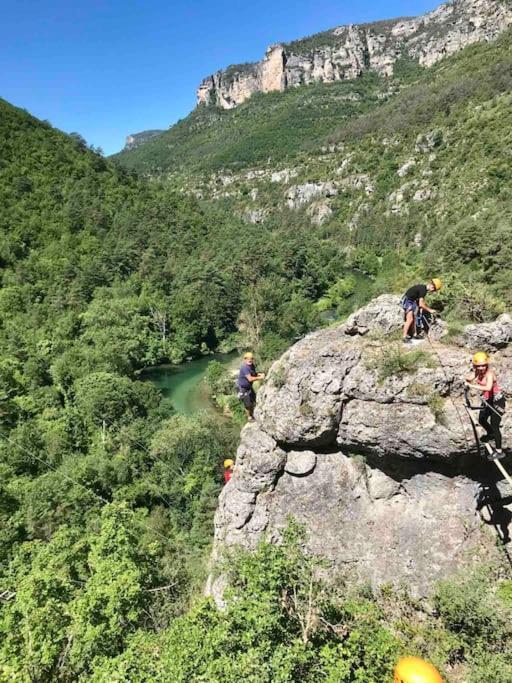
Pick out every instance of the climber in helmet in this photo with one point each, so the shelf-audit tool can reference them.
(416, 670)
(246, 376)
(483, 379)
(228, 469)
(413, 302)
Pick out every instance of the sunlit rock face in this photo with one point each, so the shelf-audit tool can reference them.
(349, 51)
(380, 467)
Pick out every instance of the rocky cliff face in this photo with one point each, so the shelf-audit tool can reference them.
(137, 139)
(348, 51)
(381, 468)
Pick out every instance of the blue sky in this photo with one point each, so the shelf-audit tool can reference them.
(109, 68)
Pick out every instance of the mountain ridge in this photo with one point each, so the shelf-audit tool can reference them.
(346, 52)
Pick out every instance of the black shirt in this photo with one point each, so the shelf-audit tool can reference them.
(416, 292)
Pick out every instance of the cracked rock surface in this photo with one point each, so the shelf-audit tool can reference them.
(380, 467)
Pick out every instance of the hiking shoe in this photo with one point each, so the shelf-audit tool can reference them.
(407, 340)
(496, 455)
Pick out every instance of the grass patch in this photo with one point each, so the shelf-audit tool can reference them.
(437, 408)
(278, 378)
(419, 390)
(395, 362)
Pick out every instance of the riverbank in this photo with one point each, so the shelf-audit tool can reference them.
(184, 384)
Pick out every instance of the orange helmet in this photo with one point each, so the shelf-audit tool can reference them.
(416, 670)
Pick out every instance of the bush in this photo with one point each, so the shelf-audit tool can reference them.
(395, 362)
(437, 408)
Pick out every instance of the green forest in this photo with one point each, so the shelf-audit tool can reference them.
(107, 495)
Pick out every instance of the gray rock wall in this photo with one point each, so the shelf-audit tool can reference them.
(407, 509)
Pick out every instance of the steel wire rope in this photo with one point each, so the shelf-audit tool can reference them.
(481, 397)
(153, 456)
(77, 483)
(138, 443)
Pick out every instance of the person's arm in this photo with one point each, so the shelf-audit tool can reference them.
(256, 377)
(489, 381)
(424, 306)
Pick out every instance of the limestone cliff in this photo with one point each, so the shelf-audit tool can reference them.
(381, 468)
(136, 139)
(348, 51)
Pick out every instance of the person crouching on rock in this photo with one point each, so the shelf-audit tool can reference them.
(413, 302)
(484, 380)
(228, 469)
(246, 376)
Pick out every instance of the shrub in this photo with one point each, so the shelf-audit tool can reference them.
(437, 408)
(396, 362)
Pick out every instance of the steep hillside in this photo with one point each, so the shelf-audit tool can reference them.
(422, 178)
(268, 127)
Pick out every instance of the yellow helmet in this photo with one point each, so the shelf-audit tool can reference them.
(437, 283)
(248, 355)
(416, 670)
(480, 358)
(228, 463)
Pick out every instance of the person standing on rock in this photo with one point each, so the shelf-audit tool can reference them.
(413, 302)
(246, 376)
(484, 380)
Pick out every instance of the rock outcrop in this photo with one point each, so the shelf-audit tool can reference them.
(348, 51)
(370, 447)
(137, 139)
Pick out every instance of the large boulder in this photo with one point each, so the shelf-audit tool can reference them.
(369, 445)
(383, 315)
(489, 336)
(301, 402)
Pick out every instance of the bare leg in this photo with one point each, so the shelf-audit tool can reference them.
(409, 322)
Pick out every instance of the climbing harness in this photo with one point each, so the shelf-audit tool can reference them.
(469, 408)
(488, 447)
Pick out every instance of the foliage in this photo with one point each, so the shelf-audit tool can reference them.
(393, 361)
(106, 497)
(437, 408)
(282, 623)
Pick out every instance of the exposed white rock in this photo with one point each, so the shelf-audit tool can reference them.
(319, 212)
(283, 176)
(300, 463)
(299, 195)
(255, 215)
(423, 194)
(490, 336)
(425, 143)
(406, 168)
(362, 181)
(357, 49)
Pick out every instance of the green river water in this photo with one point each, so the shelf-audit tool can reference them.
(183, 384)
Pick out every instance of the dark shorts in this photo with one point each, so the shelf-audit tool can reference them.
(248, 397)
(409, 305)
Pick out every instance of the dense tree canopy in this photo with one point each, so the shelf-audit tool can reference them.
(107, 496)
